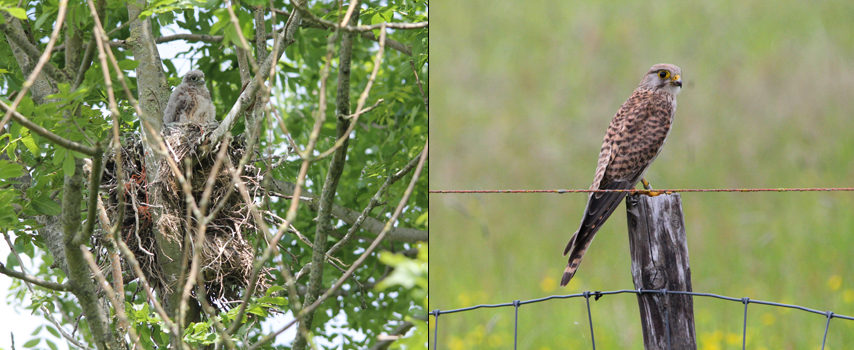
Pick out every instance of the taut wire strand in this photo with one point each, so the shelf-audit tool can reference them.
(664, 191)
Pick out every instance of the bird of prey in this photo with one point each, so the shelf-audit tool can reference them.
(634, 138)
(190, 102)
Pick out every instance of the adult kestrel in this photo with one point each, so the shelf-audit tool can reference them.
(190, 102)
(634, 138)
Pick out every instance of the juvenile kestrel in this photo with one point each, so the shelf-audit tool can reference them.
(634, 138)
(190, 102)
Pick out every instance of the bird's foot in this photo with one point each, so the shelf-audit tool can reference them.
(646, 184)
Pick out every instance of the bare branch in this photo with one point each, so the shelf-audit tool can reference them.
(386, 341)
(44, 309)
(94, 189)
(364, 97)
(398, 234)
(260, 34)
(282, 39)
(60, 287)
(349, 28)
(420, 88)
(374, 201)
(333, 174)
(118, 306)
(361, 259)
(369, 35)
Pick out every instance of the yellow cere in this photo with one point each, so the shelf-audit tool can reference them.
(676, 77)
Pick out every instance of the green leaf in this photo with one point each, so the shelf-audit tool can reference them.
(10, 170)
(32, 343)
(421, 219)
(281, 301)
(377, 18)
(10, 150)
(50, 343)
(274, 289)
(43, 204)
(128, 64)
(43, 18)
(18, 12)
(31, 144)
(52, 330)
(68, 165)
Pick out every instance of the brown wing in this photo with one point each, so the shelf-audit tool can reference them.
(630, 145)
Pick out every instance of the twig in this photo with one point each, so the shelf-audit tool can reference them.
(375, 200)
(359, 261)
(94, 188)
(60, 287)
(239, 31)
(115, 261)
(366, 110)
(369, 35)
(44, 309)
(201, 226)
(60, 17)
(426, 102)
(362, 98)
(347, 28)
(111, 294)
(385, 341)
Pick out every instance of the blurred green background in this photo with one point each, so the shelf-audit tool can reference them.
(522, 93)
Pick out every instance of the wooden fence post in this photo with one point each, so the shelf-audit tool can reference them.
(660, 261)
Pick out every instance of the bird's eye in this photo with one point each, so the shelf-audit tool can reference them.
(664, 74)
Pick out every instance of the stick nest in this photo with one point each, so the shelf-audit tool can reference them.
(227, 254)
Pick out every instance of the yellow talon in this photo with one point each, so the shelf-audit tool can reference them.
(646, 184)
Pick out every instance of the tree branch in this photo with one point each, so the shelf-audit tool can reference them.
(283, 40)
(42, 61)
(333, 175)
(398, 332)
(59, 140)
(361, 259)
(60, 287)
(351, 28)
(17, 36)
(78, 277)
(398, 234)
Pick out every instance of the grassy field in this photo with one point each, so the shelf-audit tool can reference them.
(522, 92)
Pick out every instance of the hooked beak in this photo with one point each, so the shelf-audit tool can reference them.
(677, 80)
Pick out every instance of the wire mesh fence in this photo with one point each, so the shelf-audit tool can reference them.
(598, 294)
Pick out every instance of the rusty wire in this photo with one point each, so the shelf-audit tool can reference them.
(663, 191)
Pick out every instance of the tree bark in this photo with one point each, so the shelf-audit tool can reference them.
(153, 94)
(330, 185)
(78, 270)
(660, 261)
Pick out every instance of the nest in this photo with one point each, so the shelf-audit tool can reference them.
(228, 254)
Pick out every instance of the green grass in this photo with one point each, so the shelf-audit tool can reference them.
(522, 93)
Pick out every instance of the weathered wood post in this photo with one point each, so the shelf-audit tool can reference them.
(660, 261)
